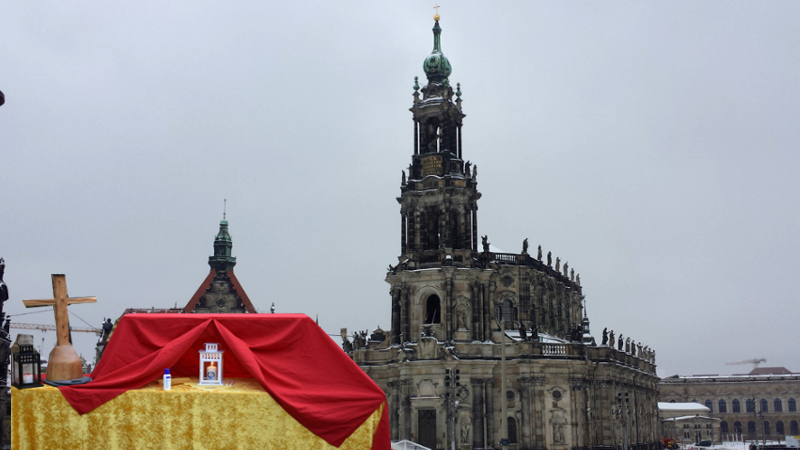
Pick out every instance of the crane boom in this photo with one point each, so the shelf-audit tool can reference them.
(754, 362)
(42, 327)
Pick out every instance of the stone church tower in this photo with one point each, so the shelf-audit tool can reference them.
(490, 348)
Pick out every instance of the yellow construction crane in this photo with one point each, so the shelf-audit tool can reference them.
(40, 327)
(754, 362)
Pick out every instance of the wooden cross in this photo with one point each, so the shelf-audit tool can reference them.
(62, 362)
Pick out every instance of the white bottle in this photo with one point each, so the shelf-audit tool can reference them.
(167, 380)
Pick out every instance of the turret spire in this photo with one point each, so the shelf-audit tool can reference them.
(436, 66)
(222, 261)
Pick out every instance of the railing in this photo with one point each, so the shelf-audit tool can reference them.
(505, 257)
(554, 349)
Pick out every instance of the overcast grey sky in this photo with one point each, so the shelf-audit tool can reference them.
(653, 145)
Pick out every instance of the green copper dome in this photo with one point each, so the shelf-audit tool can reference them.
(436, 65)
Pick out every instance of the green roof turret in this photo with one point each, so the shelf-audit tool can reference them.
(436, 65)
(222, 261)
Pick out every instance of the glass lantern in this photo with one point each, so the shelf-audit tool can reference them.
(26, 366)
(211, 365)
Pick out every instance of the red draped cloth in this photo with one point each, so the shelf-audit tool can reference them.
(291, 357)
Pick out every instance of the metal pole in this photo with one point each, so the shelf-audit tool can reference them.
(503, 400)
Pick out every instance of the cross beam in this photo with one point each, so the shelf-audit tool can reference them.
(64, 362)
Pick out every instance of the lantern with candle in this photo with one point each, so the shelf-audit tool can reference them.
(26, 366)
(211, 365)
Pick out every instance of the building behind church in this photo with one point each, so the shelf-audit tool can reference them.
(463, 315)
(759, 405)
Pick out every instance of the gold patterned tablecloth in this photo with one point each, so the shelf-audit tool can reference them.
(242, 416)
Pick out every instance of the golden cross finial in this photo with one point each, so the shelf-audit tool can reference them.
(436, 16)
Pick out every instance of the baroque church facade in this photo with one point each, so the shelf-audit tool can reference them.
(487, 349)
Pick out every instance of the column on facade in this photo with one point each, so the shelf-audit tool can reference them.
(491, 428)
(458, 136)
(405, 417)
(406, 315)
(525, 394)
(417, 240)
(539, 437)
(416, 138)
(403, 221)
(396, 313)
(487, 309)
(478, 405)
(474, 227)
(449, 310)
(394, 410)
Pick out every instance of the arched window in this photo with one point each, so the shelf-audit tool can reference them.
(723, 427)
(433, 311)
(751, 428)
(778, 405)
(512, 430)
(792, 405)
(737, 427)
(508, 312)
(764, 405)
(710, 405)
(793, 428)
(735, 405)
(750, 405)
(766, 428)
(779, 428)
(723, 407)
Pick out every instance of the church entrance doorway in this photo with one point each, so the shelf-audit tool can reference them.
(426, 424)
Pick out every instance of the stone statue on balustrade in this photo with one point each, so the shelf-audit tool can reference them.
(523, 334)
(558, 264)
(549, 259)
(485, 243)
(620, 343)
(628, 345)
(611, 338)
(107, 327)
(525, 246)
(539, 254)
(605, 336)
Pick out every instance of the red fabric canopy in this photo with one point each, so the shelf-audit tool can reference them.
(296, 362)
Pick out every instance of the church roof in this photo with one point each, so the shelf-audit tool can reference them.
(770, 371)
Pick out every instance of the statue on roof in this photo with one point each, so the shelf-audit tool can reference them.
(558, 264)
(525, 246)
(628, 345)
(605, 336)
(485, 243)
(566, 265)
(620, 343)
(578, 279)
(572, 274)
(549, 259)
(3, 287)
(523, 334)
(539, 254)
(403, 179)
(611, 338)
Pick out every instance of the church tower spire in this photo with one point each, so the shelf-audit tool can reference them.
(439, 197)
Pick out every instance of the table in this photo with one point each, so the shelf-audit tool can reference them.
(242, 416)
